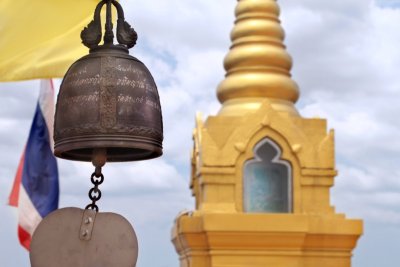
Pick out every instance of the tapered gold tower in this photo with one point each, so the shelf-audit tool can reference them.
(258, 66)
(261, 173)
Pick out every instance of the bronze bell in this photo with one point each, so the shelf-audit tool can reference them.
(108, 99)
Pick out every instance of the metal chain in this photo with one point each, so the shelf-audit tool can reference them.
(97, 179)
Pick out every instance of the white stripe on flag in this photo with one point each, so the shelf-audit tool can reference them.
(29, 217)
(46, 103)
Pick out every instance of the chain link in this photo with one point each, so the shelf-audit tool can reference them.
(97, 179)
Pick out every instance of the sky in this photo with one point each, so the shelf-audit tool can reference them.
(346, 61)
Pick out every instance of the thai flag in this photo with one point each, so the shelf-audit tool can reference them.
(36, 191)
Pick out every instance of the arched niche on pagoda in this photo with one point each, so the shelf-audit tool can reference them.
(267, 180)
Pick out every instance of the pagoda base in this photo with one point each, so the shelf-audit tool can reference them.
(263, 240)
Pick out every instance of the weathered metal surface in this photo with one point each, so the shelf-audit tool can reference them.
(59, 240)
(95, 192)
(91, 35)
(108, 99)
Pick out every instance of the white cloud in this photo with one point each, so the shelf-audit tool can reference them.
(348, 73)
(388, 3)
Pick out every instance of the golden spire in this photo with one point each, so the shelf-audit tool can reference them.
(258, 66)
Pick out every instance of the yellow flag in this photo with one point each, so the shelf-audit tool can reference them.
(41, 38)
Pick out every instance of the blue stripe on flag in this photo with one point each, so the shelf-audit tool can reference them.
(40, 173)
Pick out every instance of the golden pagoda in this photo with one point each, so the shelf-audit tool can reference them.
(261, 174)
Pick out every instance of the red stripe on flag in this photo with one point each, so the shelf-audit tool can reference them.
(52, 85)
(24, 238)
(14, 195)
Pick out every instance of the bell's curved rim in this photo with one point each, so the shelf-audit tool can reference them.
(128, 148)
